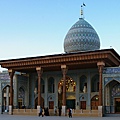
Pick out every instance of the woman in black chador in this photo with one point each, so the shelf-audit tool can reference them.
(46, 112)
(60, 111)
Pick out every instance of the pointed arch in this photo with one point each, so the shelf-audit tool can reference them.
(70, 88)
(51, 85)
(83, 99)
(5, 97)
(21, 97)
(5, 86)
(42, 86)
(95, 102)
(83, 82)
(21, 92)
(36, 102)
(95, 83)
(111, 80)
(115, 90)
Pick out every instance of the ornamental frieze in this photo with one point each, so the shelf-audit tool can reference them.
(4, 76)
(111, 70)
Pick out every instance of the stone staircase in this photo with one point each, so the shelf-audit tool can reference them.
(92, 113)
(86, 113)
(25, 112)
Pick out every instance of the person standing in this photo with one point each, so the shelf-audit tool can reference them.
(55, 110)
(70, 113)
(46, 111)
(43, 112)
(60, 111)
(40, 113)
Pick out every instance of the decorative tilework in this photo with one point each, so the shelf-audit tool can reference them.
(115, 92)
(4, 76)
(81, 37)
(111, 70)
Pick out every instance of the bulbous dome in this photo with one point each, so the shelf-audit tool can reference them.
(81, 37)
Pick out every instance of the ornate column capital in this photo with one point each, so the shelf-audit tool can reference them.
(63, 66)
(64, 69)
(100, 66)
(39, 71)
(11, 73)
(101, 63)
(38, 68)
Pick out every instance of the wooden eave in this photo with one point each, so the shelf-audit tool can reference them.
(77, 60)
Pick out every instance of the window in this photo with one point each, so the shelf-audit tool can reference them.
(42, 86)
(51, 85)
(83, 82)
(95, 83)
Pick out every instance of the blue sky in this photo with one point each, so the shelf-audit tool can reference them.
(38, 27)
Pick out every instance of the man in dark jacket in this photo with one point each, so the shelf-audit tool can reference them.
(40, 113)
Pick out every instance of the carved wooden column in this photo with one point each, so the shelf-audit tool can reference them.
(100, 68)
(11, 73)
(64, 71)
(39, 72)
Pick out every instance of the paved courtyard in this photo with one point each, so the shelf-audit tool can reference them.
(18, 117)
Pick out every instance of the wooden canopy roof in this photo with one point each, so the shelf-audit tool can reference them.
(78, 60)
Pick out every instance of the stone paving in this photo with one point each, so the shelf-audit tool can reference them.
(19, 117)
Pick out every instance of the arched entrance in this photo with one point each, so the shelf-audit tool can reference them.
(70, 101)
(115, 95)
(95, 102)
(112, 97)
(21, 98)
(117, 105)
(5, 98)
(70, 92)
(95, 83)
(36, 102)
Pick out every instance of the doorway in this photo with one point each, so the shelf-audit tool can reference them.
(117, 105)
(51, 104)
(95, 102)
(70, 103)
(20, 102)
(83, 104)
(36, 102)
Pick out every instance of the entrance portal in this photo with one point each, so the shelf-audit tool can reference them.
(70, 93)
(70, 104)
(20, 102)
(36, 102)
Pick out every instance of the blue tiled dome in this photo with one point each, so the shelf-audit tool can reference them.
(81, 37)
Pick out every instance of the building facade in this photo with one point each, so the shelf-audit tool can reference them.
(83, 78)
